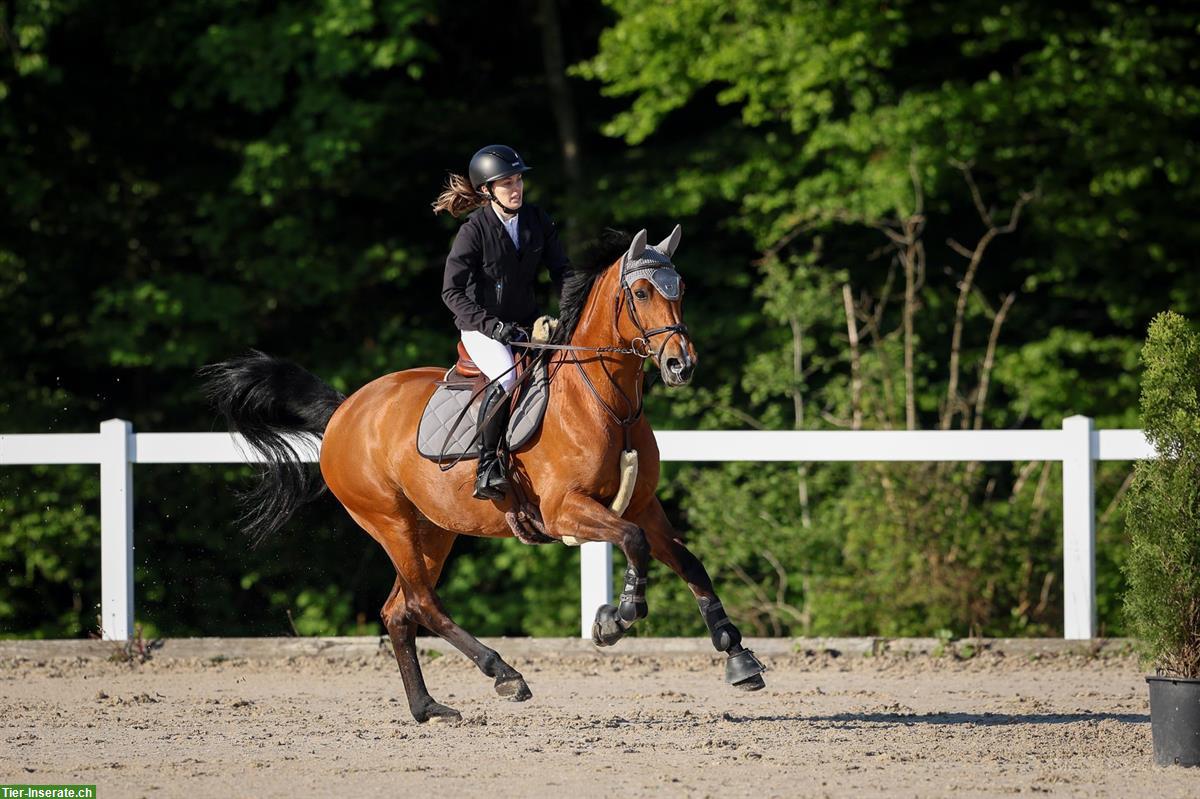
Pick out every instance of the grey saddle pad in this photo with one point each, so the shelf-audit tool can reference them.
(440, 438)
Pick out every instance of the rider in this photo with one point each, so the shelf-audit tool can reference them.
(488, 285)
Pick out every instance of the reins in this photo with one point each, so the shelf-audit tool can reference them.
(526, 376)
(619, 350)
(635, 408)
(635, 405)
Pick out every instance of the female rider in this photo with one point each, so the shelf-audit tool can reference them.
(489, 280)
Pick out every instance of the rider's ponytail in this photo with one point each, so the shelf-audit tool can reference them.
(459, 197)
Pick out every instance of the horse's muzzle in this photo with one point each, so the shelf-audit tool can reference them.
(678, 371)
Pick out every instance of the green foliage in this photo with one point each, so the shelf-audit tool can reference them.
(49, 551)
(1068, 372)
(507, 588)
(1163, 504)
(180, 182)
(932, 547)
(848, 120)
(1171, 388)
(184, 180)
(829, 105)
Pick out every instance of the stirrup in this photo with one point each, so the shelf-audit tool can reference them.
(490, 480)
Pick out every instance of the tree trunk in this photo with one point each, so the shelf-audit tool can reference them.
(798, 410)
(563, 106)
(856, 415)
(910, 303)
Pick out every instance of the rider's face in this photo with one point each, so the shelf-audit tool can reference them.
(510, 191)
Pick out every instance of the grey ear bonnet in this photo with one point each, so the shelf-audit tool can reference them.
(653, 263)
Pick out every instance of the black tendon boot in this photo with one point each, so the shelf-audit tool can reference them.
(491, 481)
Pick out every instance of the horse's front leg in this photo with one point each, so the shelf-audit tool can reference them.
(742, 669)
(588, 520)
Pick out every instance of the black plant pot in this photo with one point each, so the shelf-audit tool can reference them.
(1175, 720)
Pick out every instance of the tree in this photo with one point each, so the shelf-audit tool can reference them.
(836, 112)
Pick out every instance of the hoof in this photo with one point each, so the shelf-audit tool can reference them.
(755, 683)
(514, 689)
(435, 711)
(744, 671)
(608, 628)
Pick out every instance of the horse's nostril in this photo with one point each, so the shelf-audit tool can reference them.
(678, 370)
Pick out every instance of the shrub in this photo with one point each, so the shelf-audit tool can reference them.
(1163, 505)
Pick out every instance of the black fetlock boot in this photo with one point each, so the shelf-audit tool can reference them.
(491, 480)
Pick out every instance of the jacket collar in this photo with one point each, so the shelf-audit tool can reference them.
(492, 220)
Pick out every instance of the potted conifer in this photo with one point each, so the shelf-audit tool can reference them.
(1162, 603)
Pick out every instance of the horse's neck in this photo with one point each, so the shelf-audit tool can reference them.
(617, 388)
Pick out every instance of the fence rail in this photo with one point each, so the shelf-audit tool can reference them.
(116, 448)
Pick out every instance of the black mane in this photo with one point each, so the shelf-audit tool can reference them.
(597, 256)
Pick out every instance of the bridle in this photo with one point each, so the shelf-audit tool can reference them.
(654, 266)
(657, 268)
(663, 277)
(625, 297)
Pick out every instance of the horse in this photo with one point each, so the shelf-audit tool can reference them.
(615, 313)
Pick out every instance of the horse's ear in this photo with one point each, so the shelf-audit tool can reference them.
(638, 246)
(667, 246)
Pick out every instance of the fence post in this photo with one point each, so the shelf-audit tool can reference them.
(595, 582)
(1079, 530)
(116, 529)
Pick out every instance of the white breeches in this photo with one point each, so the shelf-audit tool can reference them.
(493, 358)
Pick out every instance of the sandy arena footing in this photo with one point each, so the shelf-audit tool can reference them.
(839, 717)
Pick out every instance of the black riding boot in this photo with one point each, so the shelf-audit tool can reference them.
(491, 481)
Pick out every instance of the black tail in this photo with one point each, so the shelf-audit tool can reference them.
(268, 400)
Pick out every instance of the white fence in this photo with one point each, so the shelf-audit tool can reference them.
(1077, 445)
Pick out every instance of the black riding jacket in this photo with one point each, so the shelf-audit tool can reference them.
(488, 280)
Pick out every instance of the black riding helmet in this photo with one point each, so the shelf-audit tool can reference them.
(494, 162)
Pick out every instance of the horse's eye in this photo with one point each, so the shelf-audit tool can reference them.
(640, 294)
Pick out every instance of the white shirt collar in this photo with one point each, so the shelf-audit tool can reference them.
(510, 225)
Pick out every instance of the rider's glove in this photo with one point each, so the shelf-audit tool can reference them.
(503, 331)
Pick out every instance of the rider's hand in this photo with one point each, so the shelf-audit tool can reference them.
(504, 331)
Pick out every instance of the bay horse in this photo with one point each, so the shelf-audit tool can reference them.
(615, 313)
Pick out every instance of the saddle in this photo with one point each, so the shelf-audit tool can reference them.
(465, 367)
(447, 431)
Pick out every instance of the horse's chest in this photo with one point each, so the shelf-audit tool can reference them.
(591, 471)
(601, 477)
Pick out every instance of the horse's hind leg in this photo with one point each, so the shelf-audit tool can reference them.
(401, 627)
(427, 609)
(742, 669)
(417, 572)
(403, 633)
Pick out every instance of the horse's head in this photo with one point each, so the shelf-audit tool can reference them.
(652, 322)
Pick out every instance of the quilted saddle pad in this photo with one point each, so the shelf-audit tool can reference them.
(446, 433)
